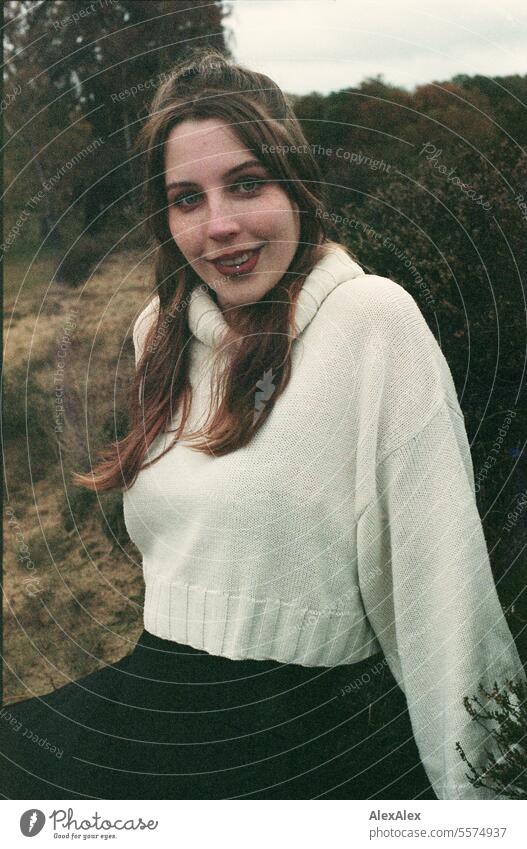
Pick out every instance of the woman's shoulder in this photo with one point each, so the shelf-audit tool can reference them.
(376, 308)
(143, 323)
(362, 286)
(376, 298)
(148, 312)
(376, 290)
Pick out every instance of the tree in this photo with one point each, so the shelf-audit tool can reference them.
(88, 72)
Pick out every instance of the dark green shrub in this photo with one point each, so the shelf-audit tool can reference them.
(81, 259)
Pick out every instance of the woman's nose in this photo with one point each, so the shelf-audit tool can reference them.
(222, 220)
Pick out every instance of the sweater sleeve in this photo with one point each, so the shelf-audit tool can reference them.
(429, 593)
(142, 327)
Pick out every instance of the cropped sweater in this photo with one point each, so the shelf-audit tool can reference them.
(347, 526)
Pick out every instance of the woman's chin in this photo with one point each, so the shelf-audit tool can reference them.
(236, 292)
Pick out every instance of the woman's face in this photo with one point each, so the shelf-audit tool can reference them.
(238, 234)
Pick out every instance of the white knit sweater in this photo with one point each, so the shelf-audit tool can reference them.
(349, 523)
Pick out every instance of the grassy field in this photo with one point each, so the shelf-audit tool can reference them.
(72, 579)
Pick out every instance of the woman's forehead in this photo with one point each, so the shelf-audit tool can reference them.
(209, 146)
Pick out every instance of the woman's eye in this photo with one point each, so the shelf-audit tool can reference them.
(253, 184)
(181, 200)
(242, 187)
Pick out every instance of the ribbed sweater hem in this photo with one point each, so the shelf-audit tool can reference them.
(241, 627)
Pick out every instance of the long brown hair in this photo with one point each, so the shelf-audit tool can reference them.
(210, 85)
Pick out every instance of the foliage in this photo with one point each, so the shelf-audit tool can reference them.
(82, 258)
(506, 774)
(84, 76)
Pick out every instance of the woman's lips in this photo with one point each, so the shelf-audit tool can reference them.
(244, 267)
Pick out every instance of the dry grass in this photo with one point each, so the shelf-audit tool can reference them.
(83, 607)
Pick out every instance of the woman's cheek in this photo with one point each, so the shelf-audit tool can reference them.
(279, 199)
(172, 226)
(177, 231)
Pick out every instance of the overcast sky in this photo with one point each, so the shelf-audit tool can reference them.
(326, 45)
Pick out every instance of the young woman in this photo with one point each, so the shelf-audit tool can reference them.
(298, 480)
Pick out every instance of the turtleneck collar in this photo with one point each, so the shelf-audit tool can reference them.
(206, 320)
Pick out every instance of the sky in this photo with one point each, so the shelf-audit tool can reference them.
(326, 45)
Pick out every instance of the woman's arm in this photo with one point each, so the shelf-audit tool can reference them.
(428, 589)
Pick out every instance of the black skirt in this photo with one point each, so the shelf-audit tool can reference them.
(170, 721)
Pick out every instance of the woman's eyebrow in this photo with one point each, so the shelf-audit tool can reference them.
(230, 173)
